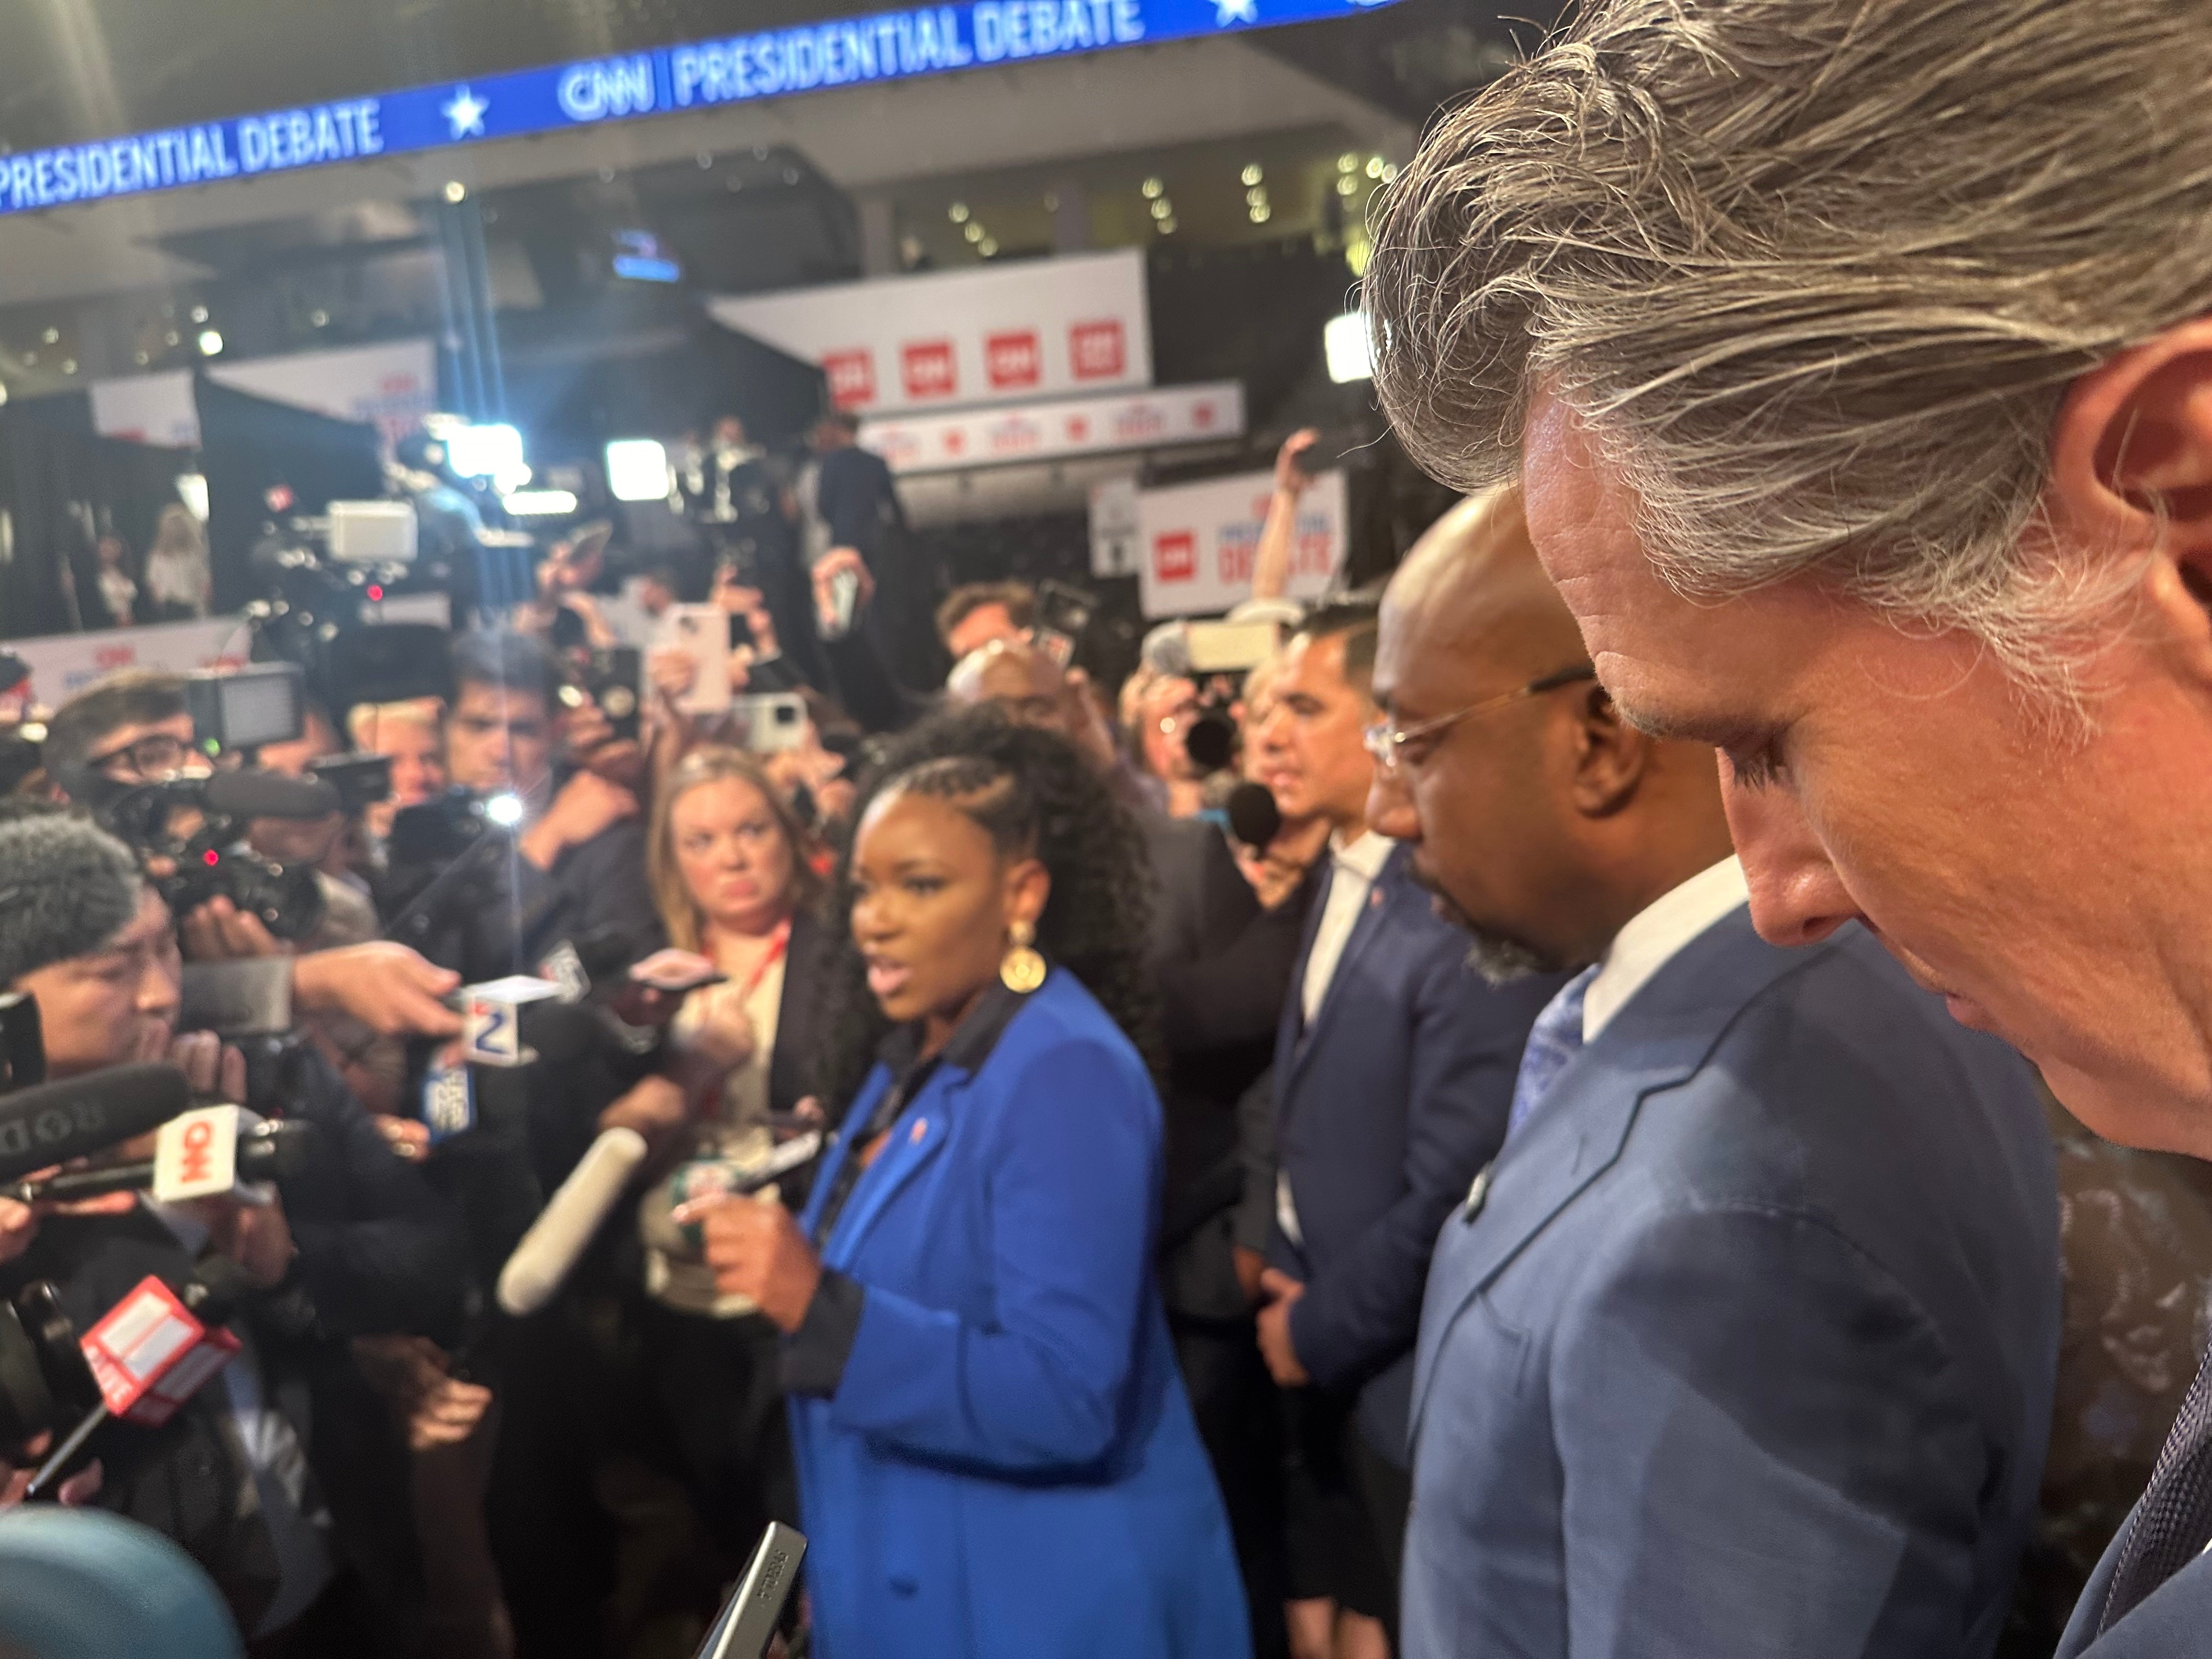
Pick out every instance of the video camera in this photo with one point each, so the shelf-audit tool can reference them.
(189, 833)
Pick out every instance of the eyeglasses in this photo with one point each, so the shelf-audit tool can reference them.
(149, 758)
(1386, 741)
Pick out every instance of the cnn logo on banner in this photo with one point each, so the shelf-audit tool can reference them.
(1174, 556)
(1094, 350)
(1013, 359)
(851, 376)
(927, 368)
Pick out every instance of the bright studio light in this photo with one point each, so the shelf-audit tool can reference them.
(484, 451)
(541, 503)
(504, 810)
(1349, 347)
(637, 469)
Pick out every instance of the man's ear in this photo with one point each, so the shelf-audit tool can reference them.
(1610, 755)
(2131, 474)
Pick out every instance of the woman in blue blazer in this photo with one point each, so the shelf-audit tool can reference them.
(995, 1454)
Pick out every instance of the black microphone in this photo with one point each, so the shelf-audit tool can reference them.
(55, 1122)
(1254, 818)
(257, 794)
(268, 1152)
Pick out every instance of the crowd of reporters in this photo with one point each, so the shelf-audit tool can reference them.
(1041, 1366)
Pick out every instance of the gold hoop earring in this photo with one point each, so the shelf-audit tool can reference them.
(1021, 970)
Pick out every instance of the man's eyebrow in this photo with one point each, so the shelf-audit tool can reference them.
(1673, 724)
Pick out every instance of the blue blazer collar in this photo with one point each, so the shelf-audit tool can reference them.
(916, 1138)
(1657, 1042)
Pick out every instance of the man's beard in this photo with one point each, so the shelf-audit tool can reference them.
(1499, 959)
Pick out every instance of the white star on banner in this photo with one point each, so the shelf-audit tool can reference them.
(464, 111)
(1226, 12)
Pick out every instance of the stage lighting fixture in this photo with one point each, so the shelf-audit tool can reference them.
(1349, 347)
(210, 343)
(637, 469)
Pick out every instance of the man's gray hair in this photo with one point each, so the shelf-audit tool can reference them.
(1816, 274)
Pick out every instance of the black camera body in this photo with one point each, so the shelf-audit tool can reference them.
(193, 849)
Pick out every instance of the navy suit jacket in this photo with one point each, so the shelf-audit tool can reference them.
(2172, 1619)
(1385, 1109)
(1748, 1349)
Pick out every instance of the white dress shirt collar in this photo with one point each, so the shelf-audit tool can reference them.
(1364, 855)
(1653, 936)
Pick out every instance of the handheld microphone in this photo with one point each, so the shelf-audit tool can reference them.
(1254, 818)
(562, 1231)
(150, 1353)
(747, 1622)
(262, 1151)
(55, 1122)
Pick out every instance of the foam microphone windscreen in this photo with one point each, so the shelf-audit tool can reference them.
(254, 794)
(57, 1122)
(558, 1238)
(1254, 818)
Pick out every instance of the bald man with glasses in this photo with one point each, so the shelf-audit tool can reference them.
(1743, 1345)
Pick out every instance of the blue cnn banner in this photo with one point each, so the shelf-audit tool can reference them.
(738, 69)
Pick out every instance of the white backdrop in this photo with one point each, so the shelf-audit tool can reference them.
(1059, 430)
(1197, 541)
(996, 334)
(63, 664)
(393, 386)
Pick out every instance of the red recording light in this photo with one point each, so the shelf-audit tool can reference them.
(210, 857)
(376, 593)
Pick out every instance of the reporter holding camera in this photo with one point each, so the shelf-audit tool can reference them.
(135, 727)
(293, 1525)
(582, 841)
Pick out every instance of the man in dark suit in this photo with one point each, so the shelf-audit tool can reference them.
(1744, 1346)
(1393, 1064)
(1898, 493)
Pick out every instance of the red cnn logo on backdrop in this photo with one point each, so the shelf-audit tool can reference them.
(1094, 350)
(927, 366)
(1174, 556)
(852, 377)
(1013, 358)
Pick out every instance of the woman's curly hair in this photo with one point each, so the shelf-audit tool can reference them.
(1034, 794)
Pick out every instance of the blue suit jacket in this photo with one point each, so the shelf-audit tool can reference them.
(1749, 1350)
(1008, 1466)
(1385, 1109)
(2173, 1620)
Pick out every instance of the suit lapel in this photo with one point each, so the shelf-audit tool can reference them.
(1290, 1031)
(916, 1138)
(1381, 894)
(1577, 1131)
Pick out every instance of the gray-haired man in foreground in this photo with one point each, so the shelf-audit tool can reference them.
(1857, 358)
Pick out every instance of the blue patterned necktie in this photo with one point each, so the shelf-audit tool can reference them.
(2174, 1519)
(1553, 1040)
